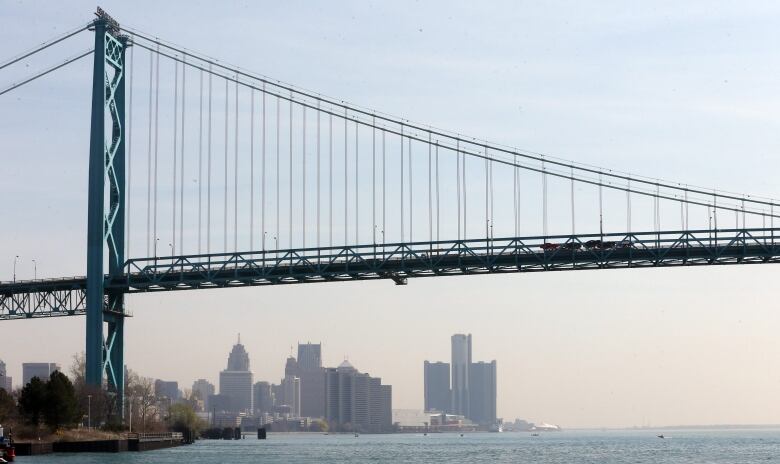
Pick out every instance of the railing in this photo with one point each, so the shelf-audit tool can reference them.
(399, 261)
(163, 436)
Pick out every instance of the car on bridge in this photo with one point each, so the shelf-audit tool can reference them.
(549, 246)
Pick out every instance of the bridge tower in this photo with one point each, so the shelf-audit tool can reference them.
(106, 225)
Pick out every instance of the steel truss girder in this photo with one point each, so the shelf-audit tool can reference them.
(393, 261)
(426, 259)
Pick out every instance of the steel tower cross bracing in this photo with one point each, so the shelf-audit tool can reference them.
(106, 225)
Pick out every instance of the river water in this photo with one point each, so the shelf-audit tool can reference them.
(635, 446)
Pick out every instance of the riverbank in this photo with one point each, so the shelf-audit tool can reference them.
(132, 442)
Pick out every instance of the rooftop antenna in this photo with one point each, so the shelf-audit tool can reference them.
(239, 338)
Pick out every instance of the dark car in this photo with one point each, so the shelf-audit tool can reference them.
(571, 246)
(549, 246)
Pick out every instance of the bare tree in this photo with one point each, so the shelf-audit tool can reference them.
(140, 391)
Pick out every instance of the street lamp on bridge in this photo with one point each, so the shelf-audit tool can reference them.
(16, 259)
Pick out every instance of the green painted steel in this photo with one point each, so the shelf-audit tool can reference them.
(106, 226)
(398, 262)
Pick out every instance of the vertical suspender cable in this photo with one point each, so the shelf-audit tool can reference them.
(129, 195)
(492, 204)
(251, 169)
(465, 200)
(262, 182)
(277, 237)
(149, 160)
(628, 207)
(373, 180)
(519, 198)
(303, 182)
(175, 148)
(156, 145)
(487, 201)
(687, 220)
(330, 179)
(319, 143)
(402, 183)
(438, 210)
(573, 228)
(544, 201)
(657, 208)
(235, 176)
(384, 187)
(357, 183)
(457, 179)
(430, 191)
(208, 174)
(346, 183)
(290, 217)
(225, 210)
(411, 195)
(514, 192)
(601, 207)
(181, 164)
(200, 166)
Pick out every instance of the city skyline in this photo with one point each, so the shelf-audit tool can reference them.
(660, 89)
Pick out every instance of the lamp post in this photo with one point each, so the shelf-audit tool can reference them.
(35, 269)
(89, 412)
(16, 259)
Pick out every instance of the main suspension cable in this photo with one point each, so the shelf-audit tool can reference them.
(455, 137)
(46, 71)
(47, 44)
(532, 168)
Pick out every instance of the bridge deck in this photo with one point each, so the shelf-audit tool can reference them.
(59, 297)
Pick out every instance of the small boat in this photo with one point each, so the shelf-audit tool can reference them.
(661, 436)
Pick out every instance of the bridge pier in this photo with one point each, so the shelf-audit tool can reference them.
(106, 226)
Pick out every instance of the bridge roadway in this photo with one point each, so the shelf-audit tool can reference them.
(399, 261)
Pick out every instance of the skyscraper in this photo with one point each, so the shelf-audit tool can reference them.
(202, 388)
(482, 392)
(41, 370)
(461, 360)
(357, 401)
(5, 381)
(235, 382)
(312, 375)
(309, 356)
(264, 398)
(437, 386)
(167, 389)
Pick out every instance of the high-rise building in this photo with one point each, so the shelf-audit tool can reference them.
(202, 389)
(482, 392)
(264, 398)
(41, 370)
(461, 360)
(167, 389)
(291, 386)
(309, 356)
(357, 401)
(6, 383)
(437, 386)
(312, 375)
(235, 382)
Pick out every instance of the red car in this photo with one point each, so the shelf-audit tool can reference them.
(549, 246)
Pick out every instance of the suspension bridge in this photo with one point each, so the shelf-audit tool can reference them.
(205, 175)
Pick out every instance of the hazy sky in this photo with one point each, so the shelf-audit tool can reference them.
(685, 92)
